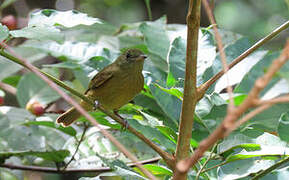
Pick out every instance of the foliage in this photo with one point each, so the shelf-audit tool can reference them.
(84, 45)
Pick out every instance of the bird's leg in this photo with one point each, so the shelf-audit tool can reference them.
(125, 126)
(96, 105)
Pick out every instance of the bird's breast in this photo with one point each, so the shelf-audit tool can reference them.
(118, 90)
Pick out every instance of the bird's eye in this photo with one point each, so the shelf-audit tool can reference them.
(128, 55)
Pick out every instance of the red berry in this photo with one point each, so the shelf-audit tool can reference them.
(9, 21)
(1, 101)
(35, 108)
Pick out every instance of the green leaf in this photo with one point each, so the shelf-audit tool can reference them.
(156, 38)
(56, 156)
(39, 33)
(153, 134)
(170, 104)
(31, 87)
(8, 68)
(67, 130)
(283, 127)
(4, 32)
(49, 17)
(17, 137)
(158, 170)
(12, 80)
(173, 91)
(257, 71)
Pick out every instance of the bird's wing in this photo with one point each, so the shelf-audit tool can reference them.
(100, 78)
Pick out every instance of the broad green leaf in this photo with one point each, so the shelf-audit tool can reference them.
(156, 38)
(170, 104)
(173, 91)
(12, 80)
(8, 67)
(18, 137)
(80, 51)
(153, 134)
(4, 32)
(6, 3)
(257, 71)
(56, 156)
(50, 17)
(177, 56)
(283, 127)
(31, 87)
(232, 51)
(67, 130)
(158, 171)
(39, 33)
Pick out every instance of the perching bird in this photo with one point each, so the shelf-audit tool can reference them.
(114, 86)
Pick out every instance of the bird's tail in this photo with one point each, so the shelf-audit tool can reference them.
(68, 117)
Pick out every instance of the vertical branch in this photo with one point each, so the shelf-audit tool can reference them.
(189, 101)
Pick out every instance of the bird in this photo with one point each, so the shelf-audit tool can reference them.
(112, 87)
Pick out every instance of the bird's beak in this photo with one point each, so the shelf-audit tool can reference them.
(143, 56)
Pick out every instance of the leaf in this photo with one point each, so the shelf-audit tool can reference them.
(170, 104)
(30, 87)
(39, 33)
(17, 137)
(49, 17)
(157, 170)
(257, 71)
(4, 32)
(8, 68)
(56, 156)
(67, 130)
(156, 38)
(153, 134)
(283, 127)
(177, 56)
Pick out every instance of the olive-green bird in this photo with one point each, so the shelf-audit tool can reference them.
(114, 86)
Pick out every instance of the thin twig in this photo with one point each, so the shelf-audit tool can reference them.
(169, 159)
(213, 167)
(78, 145)
(270, 169)
(70, 170)
(222, 53)
(232, 116)
(77, 107)
(203, 88)
(206, 162)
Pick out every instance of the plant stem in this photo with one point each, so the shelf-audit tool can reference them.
(190, 89)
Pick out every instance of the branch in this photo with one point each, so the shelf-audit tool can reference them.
(8, 88)
(75, 104)
(190, 89)
(169, 159)
(78, 145)
(71, 170)
(203, 88)
(222, 52)
(232, 116)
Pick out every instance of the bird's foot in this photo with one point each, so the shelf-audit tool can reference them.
(125, 125)
(96, 105)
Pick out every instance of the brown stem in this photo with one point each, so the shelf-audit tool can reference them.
(8, 88)
(71, 170)
(190, 90)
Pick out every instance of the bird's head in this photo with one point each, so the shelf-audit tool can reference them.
(131, 58)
